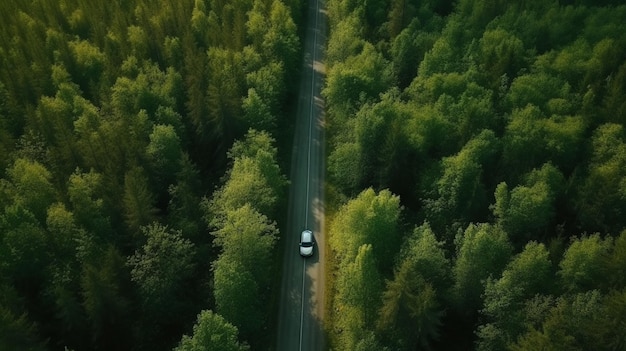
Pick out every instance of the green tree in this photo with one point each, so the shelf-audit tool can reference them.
(536, 89)
(600, 201)
(164, 151)
(345, 40)
(344, 166)
(428, 257)
(63, 232)
(224, 92)
(483, 250)
(254, 178)
(383, 145)
(530, 206)
(105, 301)
(257, 113)
(459, 197)
(211, 333)
(248, 237)
(160, 268)
(501, 54)
(85, 194)
(281, 42)
(88, 64)
(617, 263)
(269, 83)
(410, 315)
(583, 266)
(24, 248)
(409, 47)
(356, 80)
(33, 187)
(138, 200)
(360, 285)
(237, 295)
(371, 218)
(246, 184)
(579, 322)
(18, 332)
(184, 209)
(531, 139)
(358, 297)
(529, 273)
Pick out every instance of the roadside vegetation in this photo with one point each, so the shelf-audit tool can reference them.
(140, 182)
(478, 152)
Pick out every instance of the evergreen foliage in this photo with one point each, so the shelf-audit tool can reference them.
(499, 128)
(116, 120)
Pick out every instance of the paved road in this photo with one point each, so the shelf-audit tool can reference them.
(301, 315)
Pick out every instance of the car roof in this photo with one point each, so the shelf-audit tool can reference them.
(306, 235)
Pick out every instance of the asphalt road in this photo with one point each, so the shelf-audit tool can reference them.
(301, 312)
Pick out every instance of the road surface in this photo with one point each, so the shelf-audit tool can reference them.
(301, 312)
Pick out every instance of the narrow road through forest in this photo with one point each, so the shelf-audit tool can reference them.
(301, 312)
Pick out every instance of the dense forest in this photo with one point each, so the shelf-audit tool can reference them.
(477, 165)
(138, 160)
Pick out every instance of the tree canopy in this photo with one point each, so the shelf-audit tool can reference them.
(499, 128)
(120, 123)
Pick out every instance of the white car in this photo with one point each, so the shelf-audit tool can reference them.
(306, 243)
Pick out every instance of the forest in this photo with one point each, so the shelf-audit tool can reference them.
(477, 166)
(138, 157)
(476, 173)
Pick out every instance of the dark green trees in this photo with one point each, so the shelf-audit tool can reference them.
(500, 125)
(211, 333)
(115, 121)
(238, 218)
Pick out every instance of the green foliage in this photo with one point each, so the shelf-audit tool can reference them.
(501, 54)
(372, 219)
(583, 266)
(85, 195)
(117, 116)
(427, 256)
(24, 246)
(602, 194)
(379, 154)
(254, 178)
(18, 333)
(164, 151)
(104, 300)
(522, 100)
(160, 267)
(345, 40)
(458, 197)
(528, 207)
(358, 297)
(211, 333)
(358, 79)
(527, 274)
(410, 314)
(32, 186)
(138, 200)
(344, 166)
(579, 322)
(483, 251)
(238, 218)
(530, 140)
(237, 295)
(248, 236)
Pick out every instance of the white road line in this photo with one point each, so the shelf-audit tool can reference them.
(308, 168)
(308, 173)
(302, 304)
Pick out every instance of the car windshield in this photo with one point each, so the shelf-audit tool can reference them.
(305, 244)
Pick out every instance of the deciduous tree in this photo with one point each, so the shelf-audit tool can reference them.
(212, 333)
